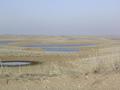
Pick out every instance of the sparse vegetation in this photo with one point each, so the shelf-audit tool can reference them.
(102, 59)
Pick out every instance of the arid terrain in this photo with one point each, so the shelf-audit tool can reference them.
(62, 63)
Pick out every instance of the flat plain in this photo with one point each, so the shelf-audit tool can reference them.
(62, 63)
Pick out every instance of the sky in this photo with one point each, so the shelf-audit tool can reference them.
(60, 17)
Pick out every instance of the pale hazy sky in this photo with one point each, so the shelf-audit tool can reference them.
(60, 17)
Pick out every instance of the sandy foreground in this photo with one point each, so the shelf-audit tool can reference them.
(90, 82)
(91, 69)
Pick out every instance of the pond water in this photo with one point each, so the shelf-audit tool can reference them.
(58, 45)
(59, 48)
(16, 63)
(6, 42)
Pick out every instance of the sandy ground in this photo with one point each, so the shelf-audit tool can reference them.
(91, 69)
(65, 82)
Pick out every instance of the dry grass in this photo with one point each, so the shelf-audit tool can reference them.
(103, 59)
